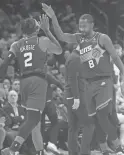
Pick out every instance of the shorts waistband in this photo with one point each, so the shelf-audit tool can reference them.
(26, 75)
(97, 78)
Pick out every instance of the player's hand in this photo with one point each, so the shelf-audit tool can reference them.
(48, 10)
(44, 22)
(76, 104)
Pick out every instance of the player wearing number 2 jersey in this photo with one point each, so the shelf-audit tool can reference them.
(95, 50)
(31, 54)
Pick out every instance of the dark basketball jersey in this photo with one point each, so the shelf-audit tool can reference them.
(29, 55)
(95, 60)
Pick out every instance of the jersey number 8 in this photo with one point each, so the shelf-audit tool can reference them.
(28, 59)
(91, 63)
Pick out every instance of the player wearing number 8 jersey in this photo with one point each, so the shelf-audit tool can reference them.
(95, 70)
(31, 54)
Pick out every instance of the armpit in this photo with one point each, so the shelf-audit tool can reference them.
(13, 48)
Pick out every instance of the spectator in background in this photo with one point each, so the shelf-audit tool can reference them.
(16, 85)
(66, 54)
(61, 75)
(57, 114)
(2, 97)
(69, 14)
(11, 72)
(116, 70)
(6, 86)
(119, 96)
(7, 82)
(1, 57)
(16, 112)
(2, 132)
(118, 49)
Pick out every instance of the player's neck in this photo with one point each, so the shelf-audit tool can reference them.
(91, 35)
(31, 35)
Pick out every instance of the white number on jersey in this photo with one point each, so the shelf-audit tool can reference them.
(28, 59)
(91, 63)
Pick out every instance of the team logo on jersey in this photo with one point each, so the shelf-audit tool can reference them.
(97, 53)
(90, 52)
(86, 49)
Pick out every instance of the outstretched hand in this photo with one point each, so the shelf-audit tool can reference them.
(48, 10)
(44, 22)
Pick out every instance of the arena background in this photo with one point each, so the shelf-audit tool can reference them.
(108, 16)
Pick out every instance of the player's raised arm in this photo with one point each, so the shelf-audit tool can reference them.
(65, 37)
(49, 43)
(11, 56)
(106, 42)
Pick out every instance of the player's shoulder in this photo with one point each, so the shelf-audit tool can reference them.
(14, 44)
(43, 38)
(103, 35)
(104, 38)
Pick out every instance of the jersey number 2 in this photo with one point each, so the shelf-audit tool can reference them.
(91, 63)
(28, 59)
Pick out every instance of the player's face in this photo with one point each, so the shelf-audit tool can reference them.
(85, 27)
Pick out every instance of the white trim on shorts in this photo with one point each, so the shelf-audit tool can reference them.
(103, 105)
(69, 98)
(31, 109)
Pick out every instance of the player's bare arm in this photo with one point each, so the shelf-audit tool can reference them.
(65, 37)
(106, 42)
(49, 43)
(48, 46)
(11, 56)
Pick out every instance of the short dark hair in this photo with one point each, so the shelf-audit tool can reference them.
(28, 26)
(15, 80)
(88, 17)
(7, 78)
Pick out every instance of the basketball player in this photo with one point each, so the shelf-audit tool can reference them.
(77, 114)
(95, 51)
(31, 53)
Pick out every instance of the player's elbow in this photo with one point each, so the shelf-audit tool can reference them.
(115, 57)
(56, 50)
(59, 51)
(62, 37)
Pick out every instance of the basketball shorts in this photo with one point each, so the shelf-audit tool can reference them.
(33, 93)
(98, 94)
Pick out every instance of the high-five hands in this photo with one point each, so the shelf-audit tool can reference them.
(48, 10)
(44, 22)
